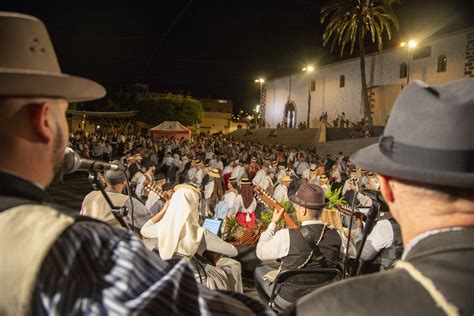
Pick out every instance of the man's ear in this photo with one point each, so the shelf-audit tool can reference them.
(40, 121)
(385, 188)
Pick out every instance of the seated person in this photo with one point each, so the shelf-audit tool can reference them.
(180, 235)
(291, 247)
(155, 202)
(384, 243)
(94, 204)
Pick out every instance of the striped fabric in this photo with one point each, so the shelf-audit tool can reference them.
(94, 269)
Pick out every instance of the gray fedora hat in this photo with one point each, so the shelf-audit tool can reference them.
(28, 63)
(429, 137)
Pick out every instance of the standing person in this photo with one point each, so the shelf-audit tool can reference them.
(429, 191)
(238, 172)
(245, 204)
(145, 180)
(281, 191)
(213, 191)
(261, 175)
(56, 266)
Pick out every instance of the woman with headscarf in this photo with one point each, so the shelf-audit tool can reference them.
(180, 235)
(245, 204)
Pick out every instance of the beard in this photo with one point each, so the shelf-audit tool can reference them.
(58, 152)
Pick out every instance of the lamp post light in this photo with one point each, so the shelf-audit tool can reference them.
(309, 70)
(261, 81)
(410, 45)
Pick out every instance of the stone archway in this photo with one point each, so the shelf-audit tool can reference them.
(290, 114)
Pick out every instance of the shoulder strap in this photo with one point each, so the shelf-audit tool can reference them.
(306, 233)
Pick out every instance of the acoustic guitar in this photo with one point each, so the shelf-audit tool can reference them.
(265, 198)
(154, 188)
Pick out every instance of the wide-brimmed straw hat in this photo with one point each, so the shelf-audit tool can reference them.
(29, 66)
(429, 137)
(215, 173)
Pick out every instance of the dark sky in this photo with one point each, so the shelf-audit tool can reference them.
(208, 48)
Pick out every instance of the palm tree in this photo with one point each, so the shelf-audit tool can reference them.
(348, 23)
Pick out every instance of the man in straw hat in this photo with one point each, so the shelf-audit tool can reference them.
(54, 262)
(292, 248)
(424, 164)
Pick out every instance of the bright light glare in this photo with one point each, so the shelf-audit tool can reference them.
(411, 43)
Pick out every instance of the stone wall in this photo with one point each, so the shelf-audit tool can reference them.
(382, 69)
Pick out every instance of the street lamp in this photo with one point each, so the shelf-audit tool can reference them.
(308, 69)
(260, 81)
(410, 45)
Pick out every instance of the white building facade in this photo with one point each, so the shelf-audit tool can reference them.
(336, 88)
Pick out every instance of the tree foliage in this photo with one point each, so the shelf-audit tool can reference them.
(156, 109)
(348, 23)
(151, 108)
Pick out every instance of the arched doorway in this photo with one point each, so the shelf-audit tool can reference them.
(290, 114)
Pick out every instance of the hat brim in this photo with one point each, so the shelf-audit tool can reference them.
(371, 158)
(296, 200)
(34, 84)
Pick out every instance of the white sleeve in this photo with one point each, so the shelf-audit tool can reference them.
(237, 204)
(139, 188)
(215, 244)
(273, 245)
(149, 230)
(382, 235)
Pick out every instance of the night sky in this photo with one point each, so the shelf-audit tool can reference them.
(209, 49)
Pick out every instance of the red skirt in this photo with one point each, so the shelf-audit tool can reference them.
(241, 218)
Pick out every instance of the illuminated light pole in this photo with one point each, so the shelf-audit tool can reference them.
(410, 45)
(309, 70)
(261, 82)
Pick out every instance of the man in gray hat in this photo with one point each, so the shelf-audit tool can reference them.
(94, 204)
(424, 164)
(52, 260)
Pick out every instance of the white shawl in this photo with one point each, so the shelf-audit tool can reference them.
(179, 230)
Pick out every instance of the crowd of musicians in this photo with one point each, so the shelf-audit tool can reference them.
(56, 262)
(176, 183)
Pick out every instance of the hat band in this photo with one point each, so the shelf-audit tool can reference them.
(427, 158)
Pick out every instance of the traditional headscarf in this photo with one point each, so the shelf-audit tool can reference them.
(179, 230)
(247, 194)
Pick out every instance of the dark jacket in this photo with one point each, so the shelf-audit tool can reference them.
(446, 258)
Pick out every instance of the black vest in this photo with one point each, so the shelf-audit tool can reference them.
(387, 256)
(299, 251)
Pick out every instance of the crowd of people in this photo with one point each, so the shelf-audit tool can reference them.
(216, 177)
(54, 261)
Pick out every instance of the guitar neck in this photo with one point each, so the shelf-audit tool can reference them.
(158, 191)
(266, 199)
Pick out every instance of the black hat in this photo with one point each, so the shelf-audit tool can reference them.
(116, 176)
(428, 137)
(159, 177)
(168, 186)
(310, 196)
(148, 164)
